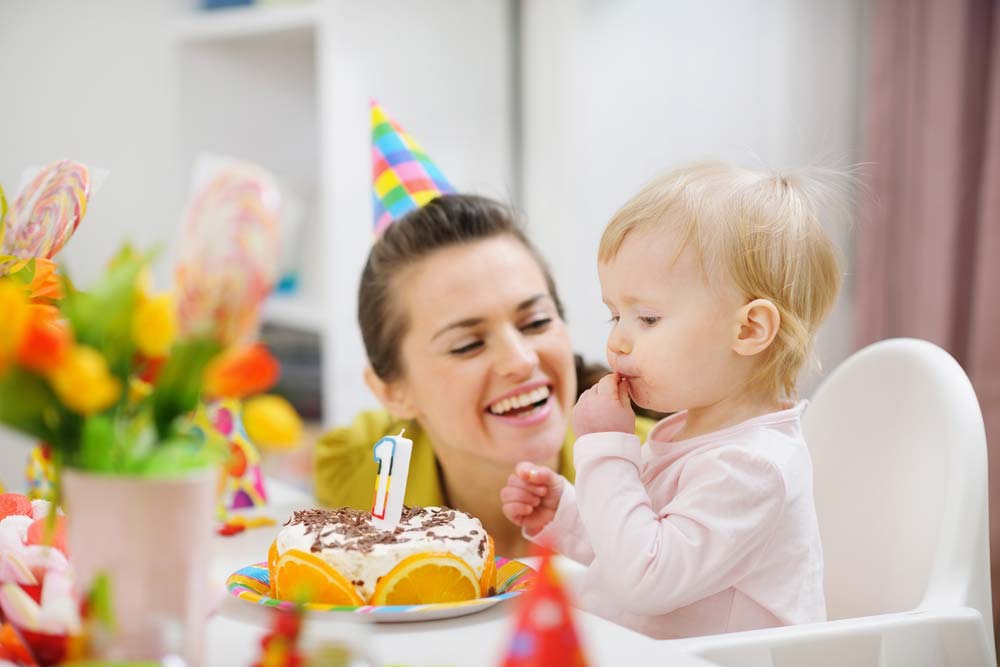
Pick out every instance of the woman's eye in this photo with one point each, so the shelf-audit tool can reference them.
(537, 325)
(467, 348)
(649, 320)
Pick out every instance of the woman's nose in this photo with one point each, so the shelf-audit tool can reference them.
(518, 357)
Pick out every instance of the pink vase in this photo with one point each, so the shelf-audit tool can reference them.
(152, 538)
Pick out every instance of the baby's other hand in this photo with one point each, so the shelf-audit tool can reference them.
(531, 496)
(604, 407)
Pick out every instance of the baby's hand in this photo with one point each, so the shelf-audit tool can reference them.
(604, 407)
(531, 496)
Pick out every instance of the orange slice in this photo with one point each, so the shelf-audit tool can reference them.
(272, 560)
(303, 577)
(427, 578)
(487, 582)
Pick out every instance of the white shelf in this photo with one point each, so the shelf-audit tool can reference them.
(242, 22)
(295, 312)
(288, 85)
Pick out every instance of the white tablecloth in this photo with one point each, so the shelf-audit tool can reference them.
(234, 631)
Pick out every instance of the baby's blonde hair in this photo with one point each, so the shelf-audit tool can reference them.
(760, 229)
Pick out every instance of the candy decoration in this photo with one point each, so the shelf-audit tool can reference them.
(45, 214)
(40, 473)
(241, 483)
(229, 253)
(404, 178)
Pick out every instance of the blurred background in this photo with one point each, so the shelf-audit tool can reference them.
(563, 108)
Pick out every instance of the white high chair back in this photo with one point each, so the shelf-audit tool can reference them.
(899, 454)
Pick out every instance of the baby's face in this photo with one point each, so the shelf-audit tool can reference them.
(672, 331)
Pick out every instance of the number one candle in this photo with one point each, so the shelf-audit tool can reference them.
(393, 455)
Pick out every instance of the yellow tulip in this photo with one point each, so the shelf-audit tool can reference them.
(84, 383)
(138, 390)
(154, 326)
(14, 307)
(272, 423)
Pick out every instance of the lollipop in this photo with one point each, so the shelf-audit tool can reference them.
(229, 253)
(46, 213)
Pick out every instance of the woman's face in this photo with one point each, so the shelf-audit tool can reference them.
(487, 366)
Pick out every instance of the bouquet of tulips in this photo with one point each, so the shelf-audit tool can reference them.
(103, 377)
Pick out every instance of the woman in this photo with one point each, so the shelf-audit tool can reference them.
(468, 351)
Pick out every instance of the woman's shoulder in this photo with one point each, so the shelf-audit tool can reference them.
(643, 425)
(342, 462)
(358, 437)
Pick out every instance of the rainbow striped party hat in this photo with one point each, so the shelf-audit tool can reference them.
(403, 177)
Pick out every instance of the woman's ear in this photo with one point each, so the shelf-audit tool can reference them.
(394, 395)
(759, 322)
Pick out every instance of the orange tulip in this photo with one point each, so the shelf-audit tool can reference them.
(44, 345)
(241, 372)
(45, 284)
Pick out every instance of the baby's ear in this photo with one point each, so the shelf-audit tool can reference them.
(759, 321)
(394, 395)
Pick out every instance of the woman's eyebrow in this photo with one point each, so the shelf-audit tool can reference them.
(530, 301)
(460, 324)
(473, 321)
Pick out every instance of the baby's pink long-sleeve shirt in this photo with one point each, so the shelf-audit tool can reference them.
(712, 534)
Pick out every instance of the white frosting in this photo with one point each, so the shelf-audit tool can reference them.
(364, 568)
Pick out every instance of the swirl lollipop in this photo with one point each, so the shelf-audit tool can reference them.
(46, 213)
(229, 254)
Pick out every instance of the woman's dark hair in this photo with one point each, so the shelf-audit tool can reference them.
(447, 221)
(444, 222)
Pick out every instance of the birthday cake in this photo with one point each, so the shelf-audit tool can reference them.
(340, 557)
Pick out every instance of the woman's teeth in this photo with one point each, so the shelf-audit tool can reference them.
(520, 401)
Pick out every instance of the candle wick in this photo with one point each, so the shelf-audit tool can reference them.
(401, 432)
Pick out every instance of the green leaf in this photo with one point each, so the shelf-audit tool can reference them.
(22, 276)
(178, 456)
(101, 603)
(102, 316)
(179, 386)
(97, 446)
(28, 405)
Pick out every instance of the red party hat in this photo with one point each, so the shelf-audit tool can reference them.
(544, 634)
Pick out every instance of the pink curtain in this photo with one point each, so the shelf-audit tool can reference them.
(929, 237)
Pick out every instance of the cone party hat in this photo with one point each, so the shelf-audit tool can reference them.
(403, 177)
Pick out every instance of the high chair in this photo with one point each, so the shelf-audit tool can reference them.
(899, 451)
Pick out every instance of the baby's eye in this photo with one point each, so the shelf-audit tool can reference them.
(540, 324)
(613, 319)
(466, 349)
(649, 320)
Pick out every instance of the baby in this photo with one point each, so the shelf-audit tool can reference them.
(717, 279)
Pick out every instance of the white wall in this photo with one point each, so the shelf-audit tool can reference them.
(616, 92)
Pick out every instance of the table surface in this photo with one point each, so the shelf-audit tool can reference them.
(234, 631)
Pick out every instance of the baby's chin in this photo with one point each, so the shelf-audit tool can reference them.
(642, 398)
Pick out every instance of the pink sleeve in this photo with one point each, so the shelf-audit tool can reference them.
(704, 540)
(565, 533)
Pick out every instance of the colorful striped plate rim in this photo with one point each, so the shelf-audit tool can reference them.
(251, 583)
